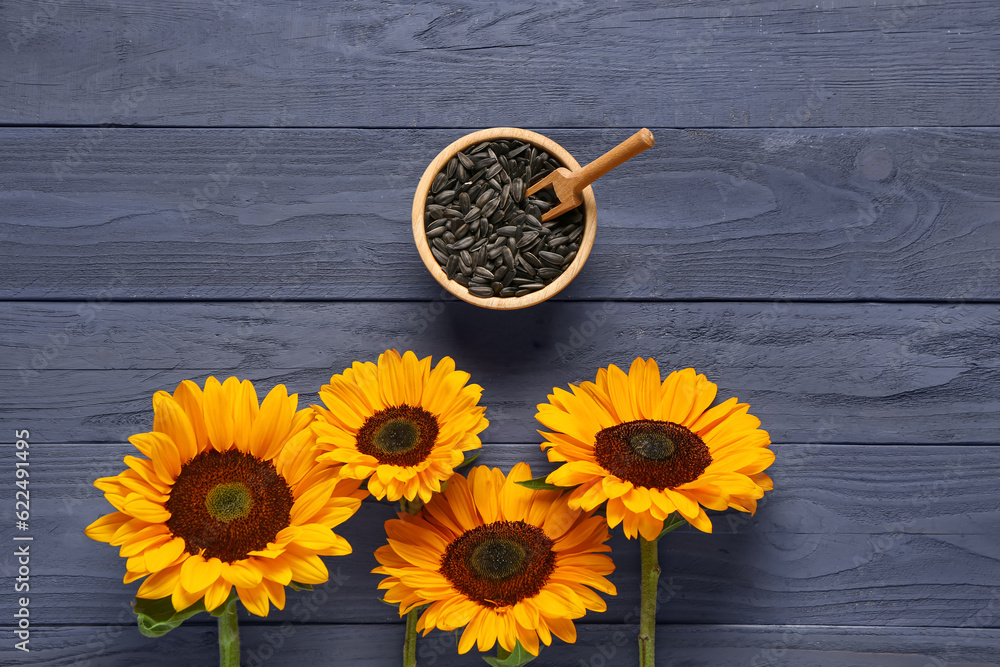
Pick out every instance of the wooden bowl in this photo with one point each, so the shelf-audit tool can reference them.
(420, 234)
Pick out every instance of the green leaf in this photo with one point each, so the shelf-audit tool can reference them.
(672, 523)
(469, 458)
(221, 609)
(391, 604)
(158, 617)
(539, 484)
(517, 658)
(296, 586)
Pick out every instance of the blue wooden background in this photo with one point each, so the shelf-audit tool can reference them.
(191, 188)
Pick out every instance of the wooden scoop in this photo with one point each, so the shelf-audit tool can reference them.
(569, 184)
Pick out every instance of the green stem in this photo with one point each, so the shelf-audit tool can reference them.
(229, 636)
(410, 642)
(410, 639)
(649, 578)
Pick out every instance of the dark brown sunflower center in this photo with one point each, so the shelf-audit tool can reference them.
(499, 564)
(228, 503)
(653, 454)
(399, 435)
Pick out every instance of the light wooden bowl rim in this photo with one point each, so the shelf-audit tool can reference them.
(496, 302)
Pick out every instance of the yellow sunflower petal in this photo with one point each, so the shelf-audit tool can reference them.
(197, 574)
(189, 396)
(171, 420)
(217, 594)
(160, 584)
(425, 562)
(218, 415)
(254, 599)
(245, 411)
(104, 529)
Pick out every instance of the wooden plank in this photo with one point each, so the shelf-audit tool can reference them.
(783, 63)
(276, 214)
(861, 373)
(919, 551)
(596, 646)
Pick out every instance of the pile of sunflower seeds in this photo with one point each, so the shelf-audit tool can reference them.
(486, 234)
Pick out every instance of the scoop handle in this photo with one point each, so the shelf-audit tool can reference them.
(624, 151)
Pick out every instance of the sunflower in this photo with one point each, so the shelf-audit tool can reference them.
(650, 448)
(399, 424)
(230, 495)
(509, 563)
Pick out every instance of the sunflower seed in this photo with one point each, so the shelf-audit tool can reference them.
(444, 197)
(491, 206)
(478, 218)
(532, 260)
(463, 244)
(439, 182)
(514, 152)
(508, 257)
(526, 239)
(484, 292)
(551, 257)
(452, 266)
(465, 160)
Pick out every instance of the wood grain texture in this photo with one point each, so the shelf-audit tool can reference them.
(813, 372)
(779, 63)
(832, 544)
(596, 646)
(274, 214)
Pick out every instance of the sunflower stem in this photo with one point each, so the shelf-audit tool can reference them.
(410, 641)
(229, 636)
(649, 578)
